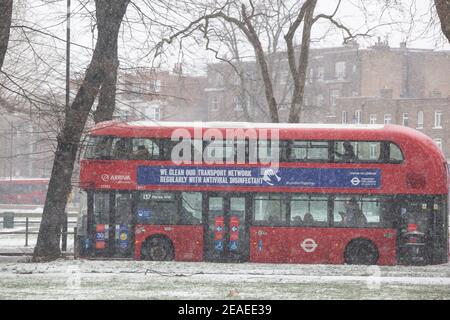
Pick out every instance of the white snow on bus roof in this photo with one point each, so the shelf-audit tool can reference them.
(226, 124)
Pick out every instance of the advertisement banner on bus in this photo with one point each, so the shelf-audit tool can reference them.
(260, 177)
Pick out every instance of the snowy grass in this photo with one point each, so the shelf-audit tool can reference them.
(82, 279)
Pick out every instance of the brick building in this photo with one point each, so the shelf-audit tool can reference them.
(27, 141)
(428, 115)
(346, 71)
(26, 146)
(160, 95)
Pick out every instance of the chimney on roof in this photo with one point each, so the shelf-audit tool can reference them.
(381, 44)
(351, 43)
(403, 45)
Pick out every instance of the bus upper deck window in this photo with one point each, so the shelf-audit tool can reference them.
(98, 148)
(395, 154)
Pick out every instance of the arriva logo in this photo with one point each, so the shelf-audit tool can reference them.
(118, 177)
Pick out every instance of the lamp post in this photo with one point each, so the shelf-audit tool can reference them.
(11, 159)
(68, 57)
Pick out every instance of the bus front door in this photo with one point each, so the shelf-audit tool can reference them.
(226, 238)
(112, 231)
(123, 225)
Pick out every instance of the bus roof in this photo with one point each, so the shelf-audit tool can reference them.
(230, 124)
(307, 131)
(424, 163)
(254, 125)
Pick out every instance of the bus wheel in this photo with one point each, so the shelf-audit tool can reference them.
(361, 251)
(157, 249)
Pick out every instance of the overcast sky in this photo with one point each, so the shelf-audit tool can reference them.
(134, 50)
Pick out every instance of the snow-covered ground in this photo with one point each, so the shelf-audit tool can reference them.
(16, 242)
(82, 279)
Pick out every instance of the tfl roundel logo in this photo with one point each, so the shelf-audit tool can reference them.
(355, 181)
(309, 245)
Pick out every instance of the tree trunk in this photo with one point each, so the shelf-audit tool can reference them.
(109, 17)
(5, 25)
(267, 81)
(443, 11)
(264, 69)
(299, 76)
(107, 96)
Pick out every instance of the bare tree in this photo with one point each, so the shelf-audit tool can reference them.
(5, 24)
(109, 16)
(247, 19)
(443, 11)
(270, 26)
(298, 72)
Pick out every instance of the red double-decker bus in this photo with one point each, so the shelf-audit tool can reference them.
(23, 191)
(259, 192)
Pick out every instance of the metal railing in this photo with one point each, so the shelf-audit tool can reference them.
(29, 224)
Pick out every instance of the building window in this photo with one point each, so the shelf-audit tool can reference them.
(387, 118)
(311, 74)
(438, 143)
(420, 120)
(214, 103)
(344, 117)
(219, 79)
(373, 119)
(405, 119)
(283, 106)
(236, 80)
(438, 119)
(333, 95)
(358, 114)
(320, 74)
(249, 103)
(284, 77)
(237, 104)
(320, 100)
(154, 113)
(340, 70)
(157, 85)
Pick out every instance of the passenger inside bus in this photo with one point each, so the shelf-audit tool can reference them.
(274, 219)
(120, 150)
(296, 221)
(308, 219)
(103, 147)
(141, 153)
(349, 153)
(353, 215)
